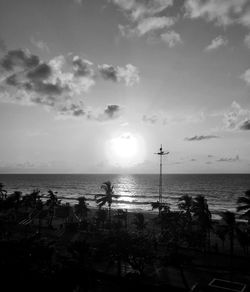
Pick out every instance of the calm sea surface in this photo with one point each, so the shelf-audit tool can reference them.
(136, 191)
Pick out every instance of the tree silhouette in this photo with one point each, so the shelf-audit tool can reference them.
(3, 192)
(139, 221)
(244, 205)
(81, 209)
(229, 218)
(203, 216)
(160, 206)
(52, 202)
(186, 204)
(107, 198)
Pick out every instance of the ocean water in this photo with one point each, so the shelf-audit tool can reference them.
(136, 191)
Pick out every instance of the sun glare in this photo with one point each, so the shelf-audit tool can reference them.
(126, 150)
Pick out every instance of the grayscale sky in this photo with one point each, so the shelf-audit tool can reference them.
(96, 86)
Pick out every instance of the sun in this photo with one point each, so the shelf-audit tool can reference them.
(126, 150)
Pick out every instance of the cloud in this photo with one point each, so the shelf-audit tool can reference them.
(235, 117)
(149, 24)
(229, 159)
(217, 42)
(150, 119)
(246, 76)
(19, 58)
(128, 74)
(222, 12)
(82, 67)
(108, 72)
(144, 17)
(40, 72)
(28, 80)
(111, 112)
(58, 84)
(245, 19)
(39, 44)
(73, 109)
(139, 9)
(247, 40)
(245, 125)
(202, 137)
(171, 38)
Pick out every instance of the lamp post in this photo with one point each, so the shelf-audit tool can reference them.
(161, 153)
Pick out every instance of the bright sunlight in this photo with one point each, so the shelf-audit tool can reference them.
(126, 150)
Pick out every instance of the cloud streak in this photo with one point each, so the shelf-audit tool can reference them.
(201, 137)
(229, 159)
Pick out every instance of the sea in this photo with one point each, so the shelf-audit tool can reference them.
(136, 191)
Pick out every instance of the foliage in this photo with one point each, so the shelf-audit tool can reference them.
(81, 209)
(244, 205)
(107, 198)
(139, 221)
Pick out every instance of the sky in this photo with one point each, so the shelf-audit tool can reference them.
(96, 86)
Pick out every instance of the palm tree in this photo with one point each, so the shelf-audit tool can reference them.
(52, 202)
(81, 208)
(139, 221)
(106, 198)
(160, 206)
(244, 205)
(3, 192)
(186, 204)
(203, 215)
(229, 218)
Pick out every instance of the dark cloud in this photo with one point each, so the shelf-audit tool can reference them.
(48, 88)
(112, 110)
(128, 74)
(39, 73)
(150, 119)
(19, 58)
(75, 110)
(229, 159)
(12, 80)
(82, 67)
(44, 100)
(202, 137)
(33, 81)
(108, 72)
(245, 125)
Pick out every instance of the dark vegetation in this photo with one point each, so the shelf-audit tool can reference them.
(75, 248)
